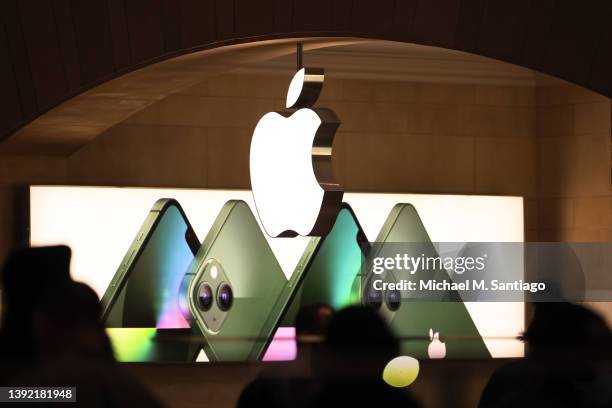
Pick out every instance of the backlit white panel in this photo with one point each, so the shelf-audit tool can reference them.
(99, 224)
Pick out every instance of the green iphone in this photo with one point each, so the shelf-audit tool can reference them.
(143, 295)
(233, 286)
(329, 270)
(436, 328)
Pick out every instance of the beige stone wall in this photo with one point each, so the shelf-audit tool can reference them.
(574, 150)
(409, 137)
(437, 138)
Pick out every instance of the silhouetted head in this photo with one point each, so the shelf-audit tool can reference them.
(68, 318)
(313, 320)
(360, 343)
(561, 326)
(28, 274)
(72, 304)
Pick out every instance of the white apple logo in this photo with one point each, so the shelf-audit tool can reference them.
(436, 349)
(290, 162)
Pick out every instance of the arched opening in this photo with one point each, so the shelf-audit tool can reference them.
(415, 118)
(430, 120)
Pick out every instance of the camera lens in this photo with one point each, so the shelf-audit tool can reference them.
(374, 297)
(394, 300)
(205, 296)
(225, 297)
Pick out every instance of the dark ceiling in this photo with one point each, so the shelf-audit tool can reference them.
(52, 50)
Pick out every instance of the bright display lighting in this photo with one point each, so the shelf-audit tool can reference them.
(295, 88)
(99, 224)
(292, 196)
(287, 193)
(401, 371)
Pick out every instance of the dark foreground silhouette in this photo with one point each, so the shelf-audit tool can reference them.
(358, 346)
(52, 334)
(345, 370)
(566, 365)
(292, 384)
(26, 276)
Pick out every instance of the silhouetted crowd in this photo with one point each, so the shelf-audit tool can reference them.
(52, 335)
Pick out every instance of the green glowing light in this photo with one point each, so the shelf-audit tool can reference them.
(401, 371)
(131, 344)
